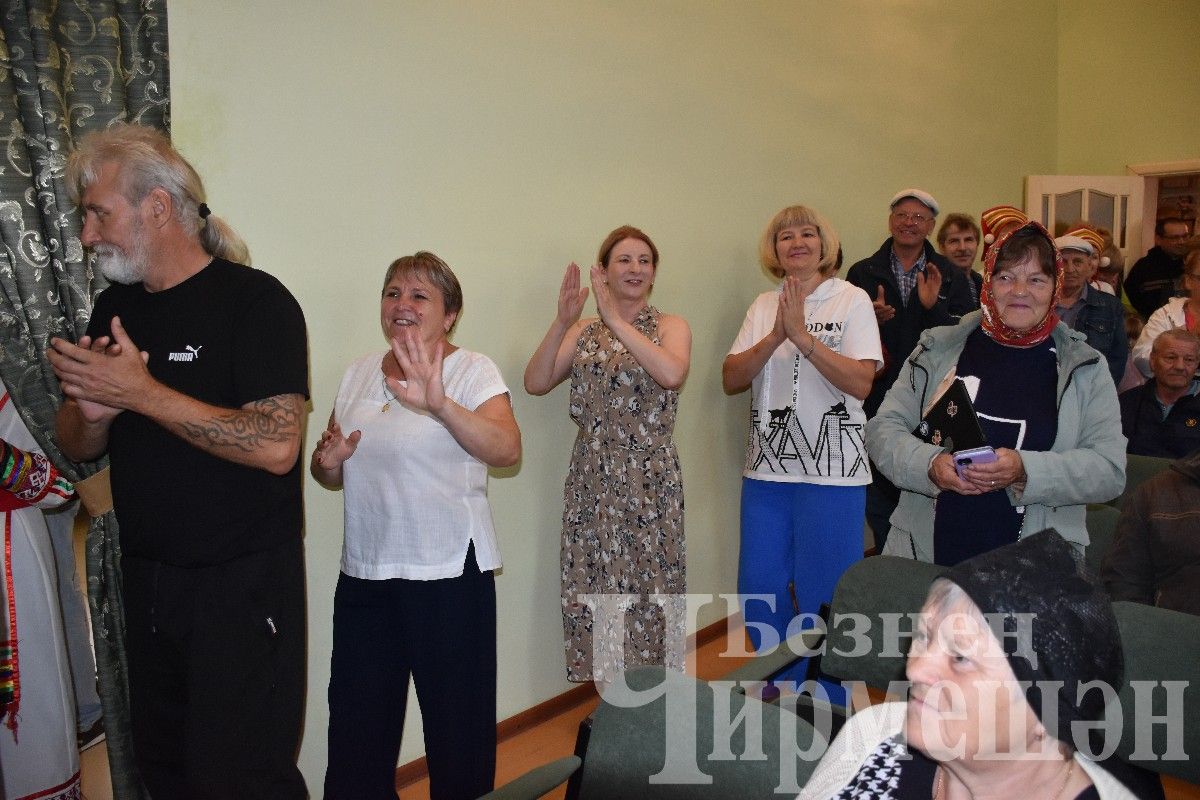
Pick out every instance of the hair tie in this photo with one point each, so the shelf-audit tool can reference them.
(204, 212)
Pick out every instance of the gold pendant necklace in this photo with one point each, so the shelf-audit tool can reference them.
(388, 395)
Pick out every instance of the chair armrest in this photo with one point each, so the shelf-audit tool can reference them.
(761, 668)
(537, 782)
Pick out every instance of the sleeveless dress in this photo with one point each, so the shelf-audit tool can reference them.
(622, 511)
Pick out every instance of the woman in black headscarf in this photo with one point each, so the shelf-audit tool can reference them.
(995, 717)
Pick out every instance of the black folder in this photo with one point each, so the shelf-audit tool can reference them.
(951, 422)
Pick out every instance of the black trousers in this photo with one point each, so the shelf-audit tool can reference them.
(442, 634)
(216, 674)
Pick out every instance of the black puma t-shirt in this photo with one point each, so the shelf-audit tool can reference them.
(229, 335)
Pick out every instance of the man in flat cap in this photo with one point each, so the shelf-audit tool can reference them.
(913, 288)
(1094, 313)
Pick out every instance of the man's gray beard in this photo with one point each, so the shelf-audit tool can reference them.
(119, 268)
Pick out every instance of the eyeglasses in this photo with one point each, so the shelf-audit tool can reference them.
(1175, 237)
(918, 218)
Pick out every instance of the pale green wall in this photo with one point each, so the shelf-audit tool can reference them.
(1128, 84)
(510, 137)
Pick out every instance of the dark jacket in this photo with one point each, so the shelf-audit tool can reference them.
(1153, 281)
(976, 279)
(900, 334)
(1149, 434)
(1155, 558)
(1102, 321)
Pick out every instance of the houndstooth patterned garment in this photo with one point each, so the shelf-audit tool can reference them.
(879, 776)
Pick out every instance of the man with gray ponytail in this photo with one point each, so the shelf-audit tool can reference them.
(193, 377)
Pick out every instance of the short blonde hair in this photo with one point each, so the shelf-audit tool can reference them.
(791, 217)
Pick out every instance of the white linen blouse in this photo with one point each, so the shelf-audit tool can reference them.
(414, 498)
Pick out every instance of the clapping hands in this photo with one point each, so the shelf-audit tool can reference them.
(791, 310)
(333, 449)
(929, 283)
(571, 297)
(605, 305)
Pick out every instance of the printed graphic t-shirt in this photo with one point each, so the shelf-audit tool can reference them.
(802, 428)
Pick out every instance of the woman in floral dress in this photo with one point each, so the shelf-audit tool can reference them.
(623, 499)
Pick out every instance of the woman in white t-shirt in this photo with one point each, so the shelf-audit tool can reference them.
(810, 349)
(416, 596)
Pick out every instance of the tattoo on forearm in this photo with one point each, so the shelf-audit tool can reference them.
(275, 419)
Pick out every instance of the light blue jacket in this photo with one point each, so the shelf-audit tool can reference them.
(1085, 465)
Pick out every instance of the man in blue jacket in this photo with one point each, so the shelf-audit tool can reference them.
(1097, 315)
(913, 288)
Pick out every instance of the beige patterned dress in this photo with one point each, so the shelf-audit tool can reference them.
(622, 512)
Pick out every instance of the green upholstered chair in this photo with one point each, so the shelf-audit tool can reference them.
(627, 746)
(1161, 645)
(875, 590)
(1137, 470)
(1102, 529)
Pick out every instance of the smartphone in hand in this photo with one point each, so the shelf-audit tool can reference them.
(976, 455)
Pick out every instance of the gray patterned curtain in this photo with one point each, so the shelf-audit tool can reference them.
(67, 68)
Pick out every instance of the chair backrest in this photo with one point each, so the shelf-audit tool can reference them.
(1138, 469)
(629, 745)
(865, 603)
(1160, 645)
(1102, 529)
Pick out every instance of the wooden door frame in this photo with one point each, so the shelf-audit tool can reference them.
(1151, 172)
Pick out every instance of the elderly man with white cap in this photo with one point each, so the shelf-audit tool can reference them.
(1096, 314)
(913, 288)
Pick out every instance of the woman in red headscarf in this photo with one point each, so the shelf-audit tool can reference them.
(1045, 403)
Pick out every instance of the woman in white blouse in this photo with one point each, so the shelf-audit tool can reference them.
(416, 596)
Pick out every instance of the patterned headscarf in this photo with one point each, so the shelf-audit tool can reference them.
(992, 325)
